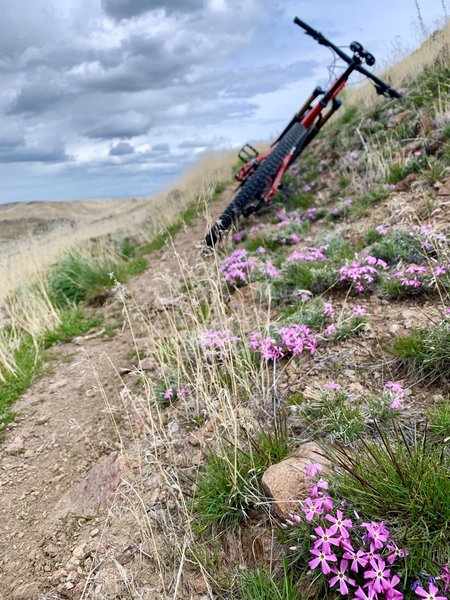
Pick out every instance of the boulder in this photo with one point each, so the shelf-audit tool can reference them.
(286, 482)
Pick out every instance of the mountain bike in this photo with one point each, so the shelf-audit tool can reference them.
(261, 174)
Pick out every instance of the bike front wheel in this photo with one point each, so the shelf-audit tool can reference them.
(255, 186)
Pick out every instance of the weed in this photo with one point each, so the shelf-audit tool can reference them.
(80, 277)
(13, 384)
(227, 488)
(310, 314)
(362, 204)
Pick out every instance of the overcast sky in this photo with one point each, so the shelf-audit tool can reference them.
(112, 98)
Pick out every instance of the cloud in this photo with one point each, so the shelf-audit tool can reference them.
(34, 154)
(126, 9)
(128, 125)
(121, 149)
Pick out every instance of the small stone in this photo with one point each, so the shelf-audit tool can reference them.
(27, 591)
(78, 552)
(94, 532)
(16, 445)
(59, 575)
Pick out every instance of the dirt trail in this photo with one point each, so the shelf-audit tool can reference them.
(62, 462)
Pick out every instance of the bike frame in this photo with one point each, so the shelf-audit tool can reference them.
(314, 117)
(260, 176)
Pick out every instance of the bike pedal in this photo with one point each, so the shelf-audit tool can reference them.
(247, 153)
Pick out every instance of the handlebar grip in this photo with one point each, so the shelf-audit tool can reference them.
(309, 30)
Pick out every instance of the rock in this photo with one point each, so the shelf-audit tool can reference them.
(27, 591)
(424, 125)
(197, 583)
(16, 445)
(286, 482)
(79, 551)
(59, 575)
(98, 489)
(398, 119)
(146, 364)
(405, 183)
(443, 187)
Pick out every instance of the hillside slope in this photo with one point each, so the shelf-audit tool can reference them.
(176, 450)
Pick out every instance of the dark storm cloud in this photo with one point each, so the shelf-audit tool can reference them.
(121, 149)
(125, 9)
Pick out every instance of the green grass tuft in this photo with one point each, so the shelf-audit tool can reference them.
(263, 585)
(405, 483)
(425, 351)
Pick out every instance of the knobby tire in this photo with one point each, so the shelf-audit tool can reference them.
(255, 185)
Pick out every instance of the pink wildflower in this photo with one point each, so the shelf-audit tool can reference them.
(332, 385)
(439, 270)
(360, 594)
(312, 509)
(340, 524)
(168, 394)
(328, 309)
(182, 393)
(325, 539)
(358, 558)
(396, 553)
(430, 594)
(312, 469)
(321, 559)
(379, 575)
(341, 578)
(330, 330)
(359, 310)
(271, 270)
(381, 229)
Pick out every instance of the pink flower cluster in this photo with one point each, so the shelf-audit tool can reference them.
(171, 394)
(309, 253)
(428, 237)
(358, 559)
(287, 341)
(396, 394)
(409, 277)
(294, 217)
(237, 266)
(362, 273)
(328, 312)
(217, 342)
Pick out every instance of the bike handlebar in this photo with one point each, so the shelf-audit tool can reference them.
(381, 87)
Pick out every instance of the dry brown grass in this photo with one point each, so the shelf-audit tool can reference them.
(435, 48)
(24, 259)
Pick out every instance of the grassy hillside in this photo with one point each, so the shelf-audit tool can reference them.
(285, 419)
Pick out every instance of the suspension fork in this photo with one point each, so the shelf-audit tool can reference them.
(320, 122)
(301, 112)
(296, 151)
